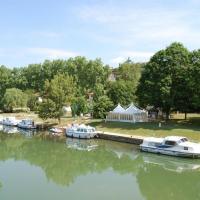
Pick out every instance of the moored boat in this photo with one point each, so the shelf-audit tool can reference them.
(56, 130)
(27, 124)
(10, 121)
(171, 145)
(81, 131)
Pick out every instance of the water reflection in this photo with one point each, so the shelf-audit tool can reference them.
(162, 177)
(13, 129)
(80, 144)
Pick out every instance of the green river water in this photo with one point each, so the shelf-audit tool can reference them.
(41, 168)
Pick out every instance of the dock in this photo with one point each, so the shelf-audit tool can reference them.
(132, 139)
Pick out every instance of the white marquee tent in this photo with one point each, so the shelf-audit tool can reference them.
(131, 114)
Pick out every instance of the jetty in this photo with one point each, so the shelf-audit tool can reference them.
(132, 139)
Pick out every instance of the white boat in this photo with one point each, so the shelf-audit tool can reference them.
(10, 121)
(171, 145)
(56, 130)
(81, 131)
(27, 124)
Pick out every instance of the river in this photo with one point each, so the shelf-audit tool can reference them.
(35, 166)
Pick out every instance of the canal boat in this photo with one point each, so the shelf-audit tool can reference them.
(56, 130)
(81, 131)
(171, 145)
(10, 121)
(27, 124)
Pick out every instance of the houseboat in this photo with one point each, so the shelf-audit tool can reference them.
(27, 124)
(81, 131)
(171, 145)
(10, 121)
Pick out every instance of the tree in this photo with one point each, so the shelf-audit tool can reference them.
(161, 78)
(194, 79)
(102, 106)
(58, 92)
(5, 81)
(121, 92)
(14, 98)
(79, 105)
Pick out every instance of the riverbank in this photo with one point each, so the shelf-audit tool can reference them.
(176, 126)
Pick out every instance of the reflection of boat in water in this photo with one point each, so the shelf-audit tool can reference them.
(171, 145)
(13, 129)
(27, 132)
(9, 129)
(83, 145)
(171, 163)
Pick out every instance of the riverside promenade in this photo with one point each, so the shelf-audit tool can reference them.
(132, 139)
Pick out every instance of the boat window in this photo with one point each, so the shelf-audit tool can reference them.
(155, 144)
(171, 143)
(185, 148)
(85, 130)
(184, 139)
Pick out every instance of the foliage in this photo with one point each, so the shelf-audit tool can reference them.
(58, 92)
(194, 79)
(162, 77)
(14, 98)
(79, 105)
(5, 81)
(121, 92)
(102, 106)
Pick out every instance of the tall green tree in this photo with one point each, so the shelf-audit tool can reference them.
(102, 106)
(79, 106)
(121, 92)
(161, 78)
(14, 98)
(5, 81)
(194, 79)
(58, 92)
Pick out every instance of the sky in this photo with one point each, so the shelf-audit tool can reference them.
(113, 30)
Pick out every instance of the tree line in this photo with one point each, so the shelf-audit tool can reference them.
(169, 81)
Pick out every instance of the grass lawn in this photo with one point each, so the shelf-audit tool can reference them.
(176, 126)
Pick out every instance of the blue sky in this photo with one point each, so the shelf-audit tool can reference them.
(35, 30)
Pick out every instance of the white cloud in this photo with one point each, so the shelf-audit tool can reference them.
(136, 56)
(152, 25)
(52, 53)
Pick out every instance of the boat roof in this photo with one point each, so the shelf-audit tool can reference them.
(153, 139)
(174, 138)
(85, 126)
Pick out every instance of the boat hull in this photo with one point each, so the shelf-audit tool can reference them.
(26, 127)
(169, 152)
(9, 124)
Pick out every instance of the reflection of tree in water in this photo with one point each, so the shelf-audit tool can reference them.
(157, 183)
(60, 164)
